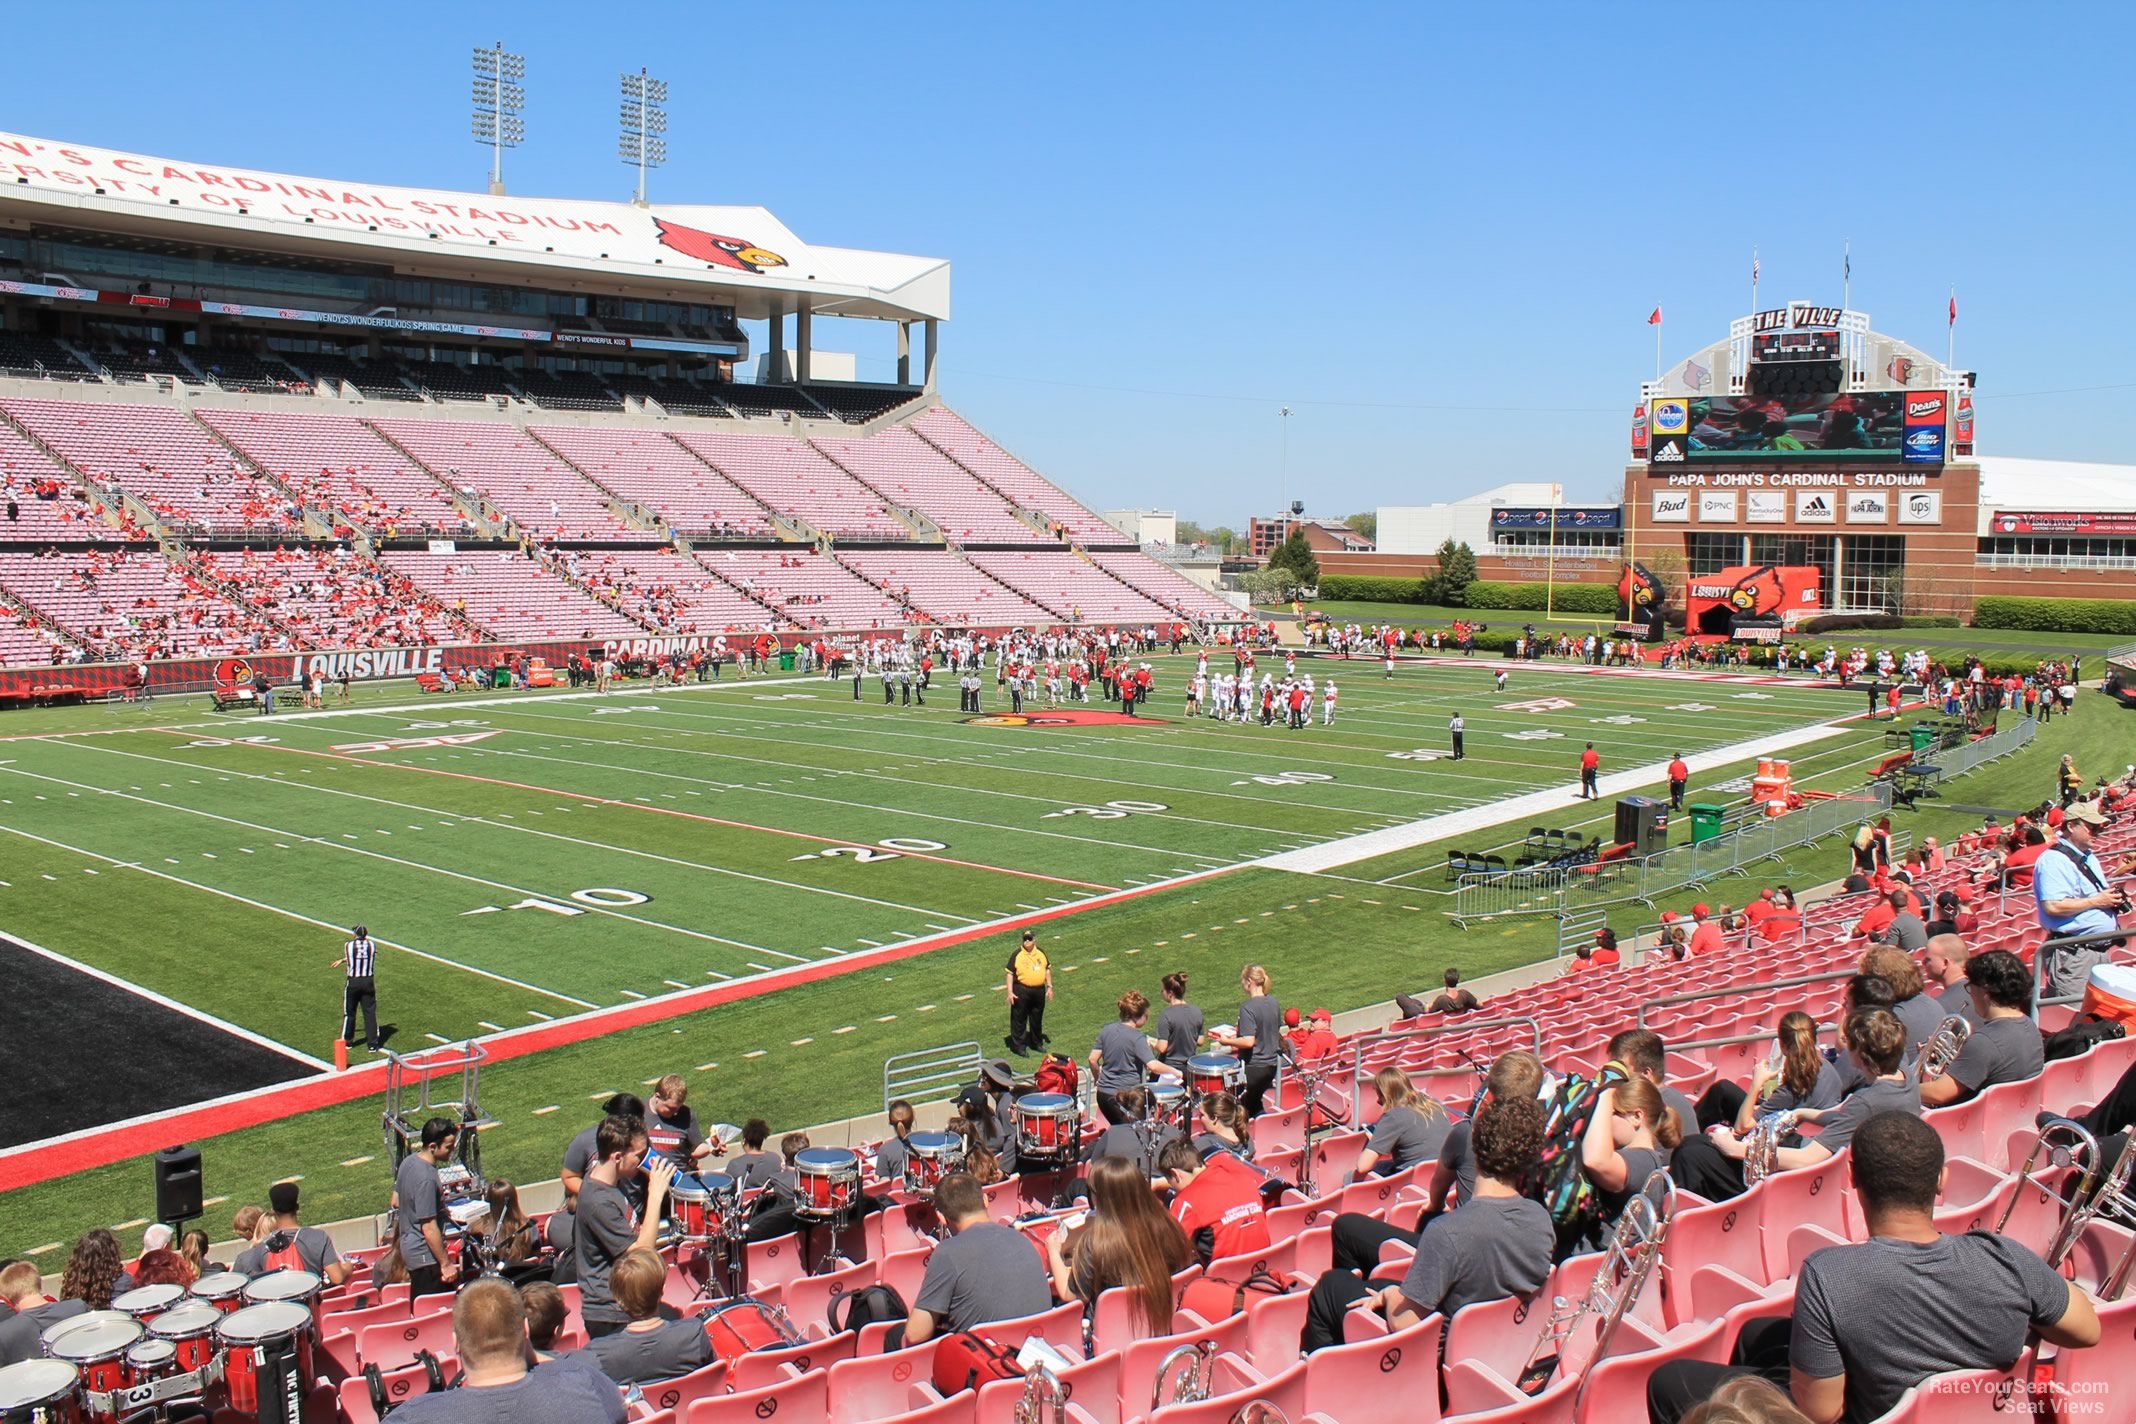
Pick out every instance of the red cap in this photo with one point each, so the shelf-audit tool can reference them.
(1765, 894)
(2054, 815)
(1323, 1015)
(1670, 917)
(1290, 1018)
(1700, 911)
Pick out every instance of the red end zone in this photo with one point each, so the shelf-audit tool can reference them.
(36, 1162)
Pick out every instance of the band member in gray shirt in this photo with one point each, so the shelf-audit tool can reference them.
(1258, 1035)
(419, 1208)
(607, 1229)
(984, 1272)
(1179, 1026)
(2006, 1047)
(1121, 1057)
(648, 1349)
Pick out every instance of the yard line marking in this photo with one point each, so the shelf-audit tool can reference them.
(357, 1161)
(847, 1029)
(436, 1037)
(706, 1067)
(802, 1042)
(575, 840)
(965, 998)
(130, 1225)
(485, 1023)
(632, 994)
(873, 943)
(138, 991)
(544, 1112)
(418, 865)
(754, 1053)
(302, 918)
(885, 1018)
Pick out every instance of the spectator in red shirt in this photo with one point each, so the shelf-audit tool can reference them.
(1679, 779)
(1217, 1203)
(1602, 954)
(1758, 911)
(1705, 931)
(1590, 771)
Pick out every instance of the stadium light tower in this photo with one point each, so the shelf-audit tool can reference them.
(499, 97)
(644, 121)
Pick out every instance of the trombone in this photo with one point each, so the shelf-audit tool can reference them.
(1627, 1265)
(2068, 1148)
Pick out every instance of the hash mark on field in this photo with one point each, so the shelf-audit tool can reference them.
(706, 1067)
(1369, 902)
(215, 1201)
(885, 1018)
(873, 943)
(755, 1053)
(544, 1112)
(1134, 951)
(356, 1161)
(759, 968)
(130, 1225)
(924, 1009)
(207, 855)
(715, 974)
(1098, 959)
(41, 1250)
(801, 1042)
(485, 1023)
(1188, 935)
(597, 1097)
(673, 984)
(632, 993)
(538, 1014)
(437, 1038)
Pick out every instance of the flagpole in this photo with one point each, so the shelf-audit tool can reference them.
(1846, 300)
(1754, 279)
(1657, 348)
(1950, 336)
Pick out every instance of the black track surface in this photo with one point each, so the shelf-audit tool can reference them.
(76, 1052)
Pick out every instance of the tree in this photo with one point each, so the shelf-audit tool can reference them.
(1219, 536)
(1366, 524)
(1457, 570)
(1297, 555)
(1269, 586)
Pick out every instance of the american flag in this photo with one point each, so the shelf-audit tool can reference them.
(1754, 267)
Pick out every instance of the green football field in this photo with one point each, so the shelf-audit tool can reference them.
(527, 858)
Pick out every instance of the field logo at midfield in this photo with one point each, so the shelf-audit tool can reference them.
(1539, 705)
(404, 744)
(1064, 717)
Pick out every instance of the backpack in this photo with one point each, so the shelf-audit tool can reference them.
(1559, 1183)
(282, 1253)
(1216, 1298)
(858, 1309)
(964, 1361)
(1058, 1074)
(433, 1383)
(2080, 1037)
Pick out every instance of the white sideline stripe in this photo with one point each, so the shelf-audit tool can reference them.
(301, 918)
(1350, 850)
(197, 1015)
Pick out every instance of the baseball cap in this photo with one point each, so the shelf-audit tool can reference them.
(2055, 816)
(1290, 1018)
(1323, 1015)
(1670, 917)
(2086, 811)
(282, 1196)
(1765, 894)
(1700, 911)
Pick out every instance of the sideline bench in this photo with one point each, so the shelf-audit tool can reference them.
(1603, 864)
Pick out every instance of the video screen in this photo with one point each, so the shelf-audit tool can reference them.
(1854, 426)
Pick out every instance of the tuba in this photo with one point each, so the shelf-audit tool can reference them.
(1259, 1411)
(1943, 1047)
(1761, 1147)
(1044, 1401)
(1189, 1384)
(1627, 1265)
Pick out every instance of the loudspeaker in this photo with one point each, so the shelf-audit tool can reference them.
(178, 1189)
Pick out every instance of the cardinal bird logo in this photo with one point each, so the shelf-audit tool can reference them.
(719, 251)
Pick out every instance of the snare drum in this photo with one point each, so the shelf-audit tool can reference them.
(827, 1183)
(225, 1290)
(737, 1326)
(40, 1392)
(149, 1360)
(302, 1287)
(98, 1352)
(267, 1360)
(1168, 1105)
(1215, 1073)
(706, 1207)
(931, 1156)
(189, 1326)
(146, 1301)
(82, 1321)
(1048, 1128)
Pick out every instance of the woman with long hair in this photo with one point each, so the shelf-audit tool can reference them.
(1257, 1037)
(1795, 1075)
(1130, 1240)
(1179, 1027)
(1412, 1126)
(93, 1270)
(511, 1235)
(162, 1267)
(1225, 1127)
(1625, 1138)
(193, 1245)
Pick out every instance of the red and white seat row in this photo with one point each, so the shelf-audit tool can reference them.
(160, 455)
(1072, 588)
(807, 589)
(1167, 585)
(696, 500)
(944, 587)
(336, 599)
(666, 590)
(340, 466)
(794, 478)
(134, 603)
(912, 473)
(950, 433)
(521, 476)
(511, 597)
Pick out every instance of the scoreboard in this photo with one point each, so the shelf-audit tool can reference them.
(1777, 347)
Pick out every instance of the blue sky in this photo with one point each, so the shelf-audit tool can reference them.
(1434, 232)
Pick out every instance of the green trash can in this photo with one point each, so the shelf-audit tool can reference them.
(501, 677)
(1706, 821)
(786, 661)
(1924, 738)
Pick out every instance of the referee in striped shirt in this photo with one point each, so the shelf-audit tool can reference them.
(360, 957)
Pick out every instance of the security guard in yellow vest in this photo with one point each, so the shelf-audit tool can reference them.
(1028, 984)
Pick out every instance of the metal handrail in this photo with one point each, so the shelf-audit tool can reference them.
(1392, 1035)
(2039, 958)
(1744, 986)
(931, 1075)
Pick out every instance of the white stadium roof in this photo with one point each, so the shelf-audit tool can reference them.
(738, 256)
(2010, 482)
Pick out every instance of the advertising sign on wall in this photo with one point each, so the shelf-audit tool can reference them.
(1921, 507)
(1868, 507)
(1765, 507)
(1672, 506)
(1717, 506)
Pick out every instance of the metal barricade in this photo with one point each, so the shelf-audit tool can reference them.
(1577, 927)
(931, 1075)
(1958, 760)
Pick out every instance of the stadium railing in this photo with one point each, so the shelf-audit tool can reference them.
(931, 1075)
(1360, 1047)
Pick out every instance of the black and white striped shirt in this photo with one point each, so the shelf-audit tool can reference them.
(362, 958)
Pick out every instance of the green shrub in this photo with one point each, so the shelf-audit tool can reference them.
(1373, 588)
(2056, 615)
(1584, 598)
(1847, 622)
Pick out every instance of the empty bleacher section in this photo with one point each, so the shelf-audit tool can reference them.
(765, 401)
(510, 597)
(160, 456)
(568, 390)
(808, 589)
(954, 436)
(39, 357)
(531, 483)
(1072, 588)
(938, 585)
(241, 372)
(857, 405)
(39, 500)
(697, 501)
(1168, 586)
(665, 590)
(134, 603)
(793, 478)
(341, 467)
(909, 472)
(334, 599)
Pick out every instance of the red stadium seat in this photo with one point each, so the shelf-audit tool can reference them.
(1393, 1379)
(679, 1394)
(1091, 1389)
(1967, 1397)
(870, 1387)
(1285, 1391)
(806, 1397)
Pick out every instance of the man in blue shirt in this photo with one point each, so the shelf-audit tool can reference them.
(2070, 888)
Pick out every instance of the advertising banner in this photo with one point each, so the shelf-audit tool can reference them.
(1921, 507)
(1716, 506)
(1524, 517)
(1818, 506)
(2012, 521)
(1868, 507)
(1927, 413)
(1765, 507)
(1672, 506)
(1713, 602)
(1767, 429)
